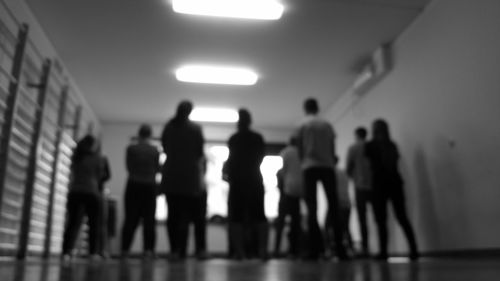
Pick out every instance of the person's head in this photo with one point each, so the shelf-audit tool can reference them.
(184, 109)
(380, 130)
(245, 119)
(311, 106)
(86, 146)
(360, 133)
(145, 131)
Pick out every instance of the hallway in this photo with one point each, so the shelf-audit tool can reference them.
(222, 270)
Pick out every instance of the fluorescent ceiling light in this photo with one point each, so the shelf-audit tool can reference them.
(222, 115)
(247, 9)
(216, 75)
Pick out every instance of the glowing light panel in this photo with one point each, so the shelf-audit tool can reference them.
(220, 115)
(246, 9)
(216, 75)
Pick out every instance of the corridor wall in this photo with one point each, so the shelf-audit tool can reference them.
(42, 113)
(441, 100)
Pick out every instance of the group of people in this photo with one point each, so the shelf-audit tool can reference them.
(309, 159)
(372, 166)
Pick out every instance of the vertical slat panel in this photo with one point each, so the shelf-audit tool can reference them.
(35, 194)
(40, 223)
(53, 233)
(10, 183)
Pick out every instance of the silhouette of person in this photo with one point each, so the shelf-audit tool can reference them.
(83, 196)
(344, 210)
(290, 184)
(246, 190)
(200, 216)
(182, 141)
(103, 218)
(143, 163)
(358, 169)
(316, 143)
(388, 186)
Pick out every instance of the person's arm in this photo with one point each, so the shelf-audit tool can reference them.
(128, 160)
(106, 176)
(350, 162)
(333, 137)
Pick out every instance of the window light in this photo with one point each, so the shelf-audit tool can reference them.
(216, 75)
(222, 115)
(247, 9)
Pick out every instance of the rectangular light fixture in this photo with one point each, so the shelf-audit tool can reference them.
(218, 115)
(246, 9)
(216, 75)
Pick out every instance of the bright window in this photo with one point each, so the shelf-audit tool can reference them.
(218, 189)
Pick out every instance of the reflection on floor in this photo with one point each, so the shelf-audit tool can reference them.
(273, 270)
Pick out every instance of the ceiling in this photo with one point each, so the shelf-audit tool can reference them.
(123, 53)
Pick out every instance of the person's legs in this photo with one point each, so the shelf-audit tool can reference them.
(173, 222)
(362, 199)
(133, 210)
(328, 179)
(103, 226)
(315, 238)
(279, 223)
(200, 225)
(149, 219)
(185, 207)
(93, 210)
(380, 209)
(295, 226)
(399, 207)
(75, 212)
(236, 212)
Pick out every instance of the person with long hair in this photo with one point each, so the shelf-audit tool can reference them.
(388, 187)
(84, 196)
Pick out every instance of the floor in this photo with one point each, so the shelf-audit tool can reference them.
(273, 270)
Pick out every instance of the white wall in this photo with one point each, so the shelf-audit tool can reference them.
(116, 137)
(441, 101)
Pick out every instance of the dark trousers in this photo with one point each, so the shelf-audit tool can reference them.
(288, 206)
(79, 205)
(394, 194)
(363, 198)
(140, 205)
(182, 210)
(328, 179)
(103, 226)
(200, 224)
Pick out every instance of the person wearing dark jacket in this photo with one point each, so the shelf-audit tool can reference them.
(84, 196)
(182, 180)
(246, 191)
(387, 183)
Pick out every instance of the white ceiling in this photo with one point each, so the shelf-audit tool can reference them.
(122, 53)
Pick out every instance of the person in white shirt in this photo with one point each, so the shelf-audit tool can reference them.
(316, 144)
(290, 184)
(359, 170)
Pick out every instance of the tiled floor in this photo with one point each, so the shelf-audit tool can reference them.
(273, 270)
